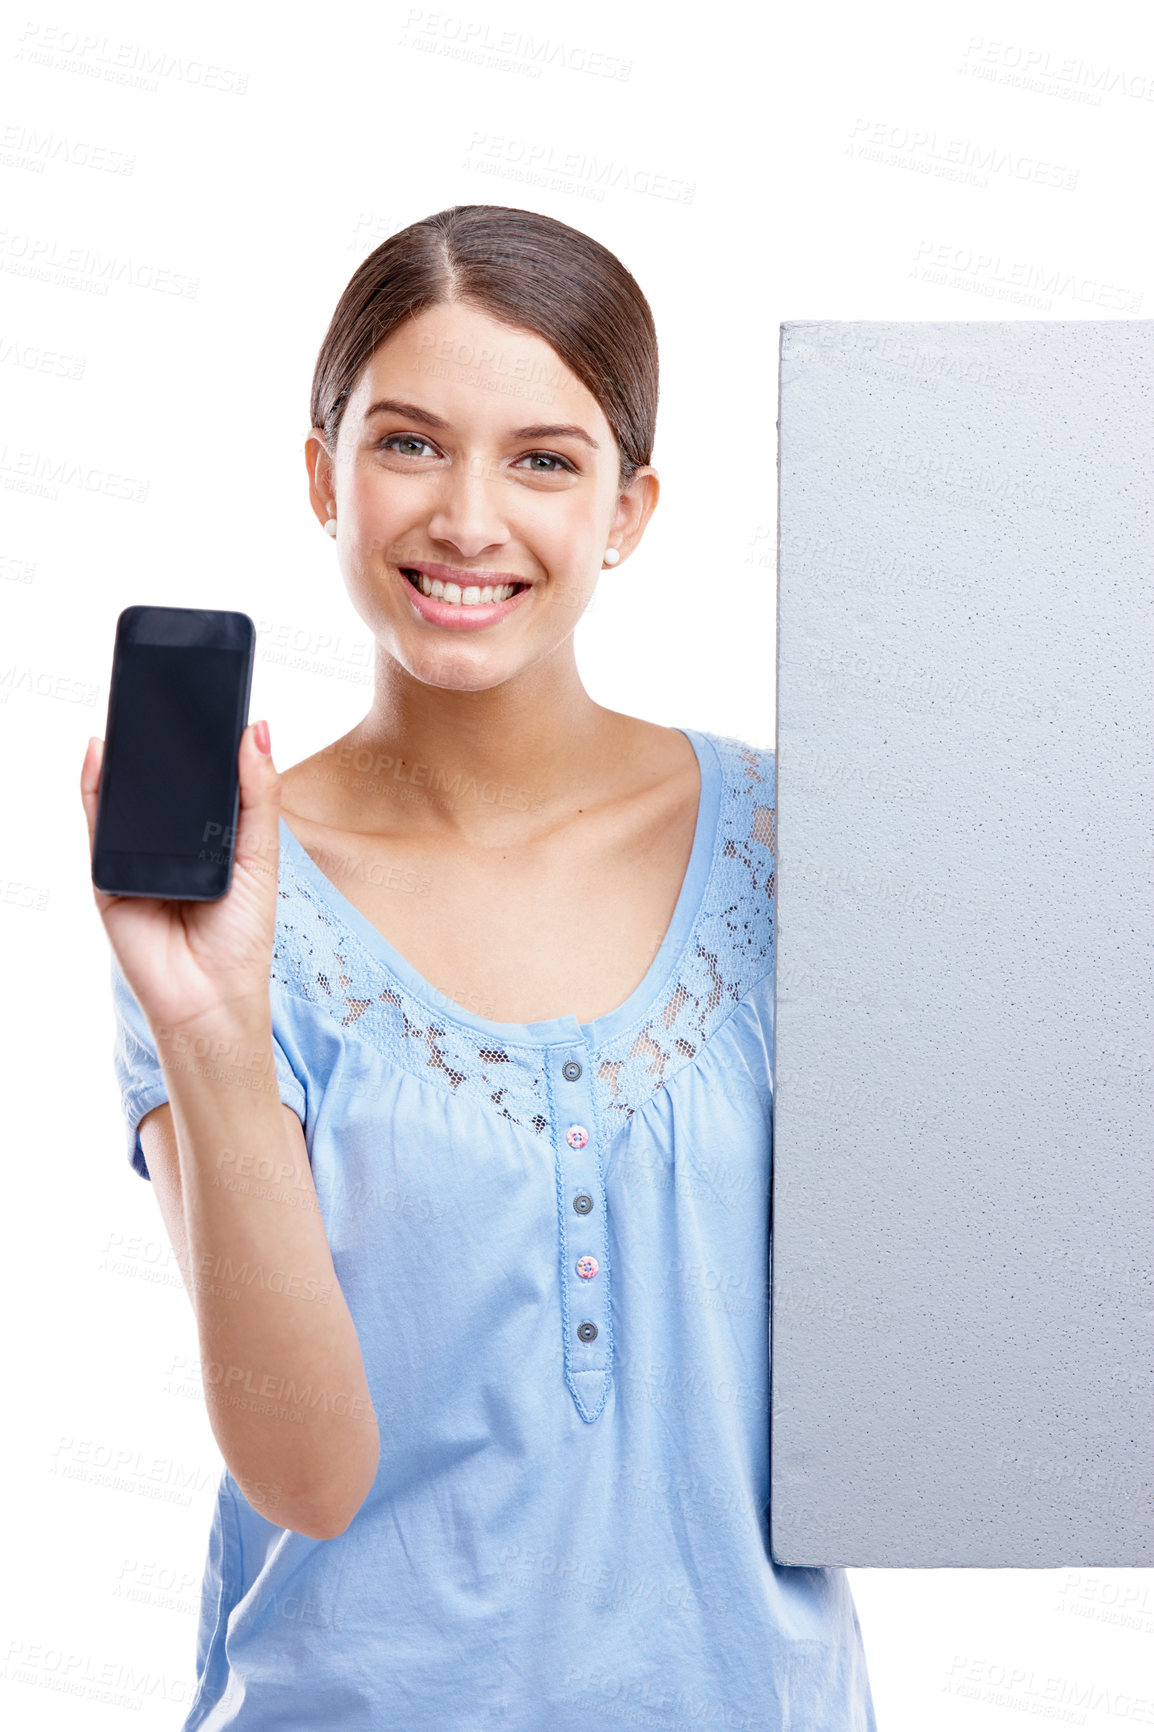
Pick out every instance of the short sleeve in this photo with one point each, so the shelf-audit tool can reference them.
(139, 1074)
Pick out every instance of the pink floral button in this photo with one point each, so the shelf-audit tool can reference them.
(586, 1267)
(576, 1136)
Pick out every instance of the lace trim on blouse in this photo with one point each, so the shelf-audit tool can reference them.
(728, 950)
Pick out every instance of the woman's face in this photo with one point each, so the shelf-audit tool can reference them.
(470, 455)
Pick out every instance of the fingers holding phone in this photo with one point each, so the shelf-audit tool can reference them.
(183, 811)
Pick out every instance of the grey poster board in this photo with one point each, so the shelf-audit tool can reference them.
(962, 1336)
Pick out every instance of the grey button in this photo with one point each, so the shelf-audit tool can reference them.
(586, 1331)
(583, 1202)
(570, 1070)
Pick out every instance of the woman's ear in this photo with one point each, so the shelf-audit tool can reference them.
(635, 506)
(322, 495)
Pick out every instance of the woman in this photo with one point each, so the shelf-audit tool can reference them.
(457, 1106)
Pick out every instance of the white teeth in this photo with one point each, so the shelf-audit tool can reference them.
(471, 596)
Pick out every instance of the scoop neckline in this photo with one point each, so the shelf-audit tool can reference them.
(558, 1029)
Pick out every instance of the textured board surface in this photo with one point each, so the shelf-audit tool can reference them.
(963, 1196)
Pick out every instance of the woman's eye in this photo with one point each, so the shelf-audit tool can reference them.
(535, 457)
(394, 442)
(413, 445)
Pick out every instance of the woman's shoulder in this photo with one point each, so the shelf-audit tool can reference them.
(744, 875)
(739, 785)
(748, 776)
(741, 759)
(744, 760)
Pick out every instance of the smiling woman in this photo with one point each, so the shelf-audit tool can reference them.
(458, 1105)
(442, 462)
(486, 371)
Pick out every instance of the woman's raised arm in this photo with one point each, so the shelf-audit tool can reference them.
(283, 1374)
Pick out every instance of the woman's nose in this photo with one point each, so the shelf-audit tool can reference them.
(468, 510)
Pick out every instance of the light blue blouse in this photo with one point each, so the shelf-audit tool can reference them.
(554, 1241)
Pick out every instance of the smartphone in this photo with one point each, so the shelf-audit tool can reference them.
(169, 786)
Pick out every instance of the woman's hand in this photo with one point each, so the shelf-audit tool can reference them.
(186, 960)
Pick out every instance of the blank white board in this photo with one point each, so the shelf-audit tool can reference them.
(962, 1337)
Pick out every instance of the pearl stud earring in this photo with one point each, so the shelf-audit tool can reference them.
(611, 556)
(331, 526)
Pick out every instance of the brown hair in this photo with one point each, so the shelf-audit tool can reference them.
(524, 269)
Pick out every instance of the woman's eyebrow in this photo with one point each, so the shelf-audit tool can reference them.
(413, 412)
(561, 430)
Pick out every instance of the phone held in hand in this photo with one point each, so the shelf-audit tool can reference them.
(169, 786)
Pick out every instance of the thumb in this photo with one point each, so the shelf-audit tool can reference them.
(258, 820)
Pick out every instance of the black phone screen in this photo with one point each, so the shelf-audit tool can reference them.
(172, 781)
(169, 785)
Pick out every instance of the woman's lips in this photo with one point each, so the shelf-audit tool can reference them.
(462, 616)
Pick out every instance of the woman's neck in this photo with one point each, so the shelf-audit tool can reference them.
(480, 764)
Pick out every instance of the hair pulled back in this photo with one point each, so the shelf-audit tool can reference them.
(526, 270)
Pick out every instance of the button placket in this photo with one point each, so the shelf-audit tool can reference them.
(583, 1227)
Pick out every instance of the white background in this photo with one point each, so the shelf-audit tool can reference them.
(749, 165)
